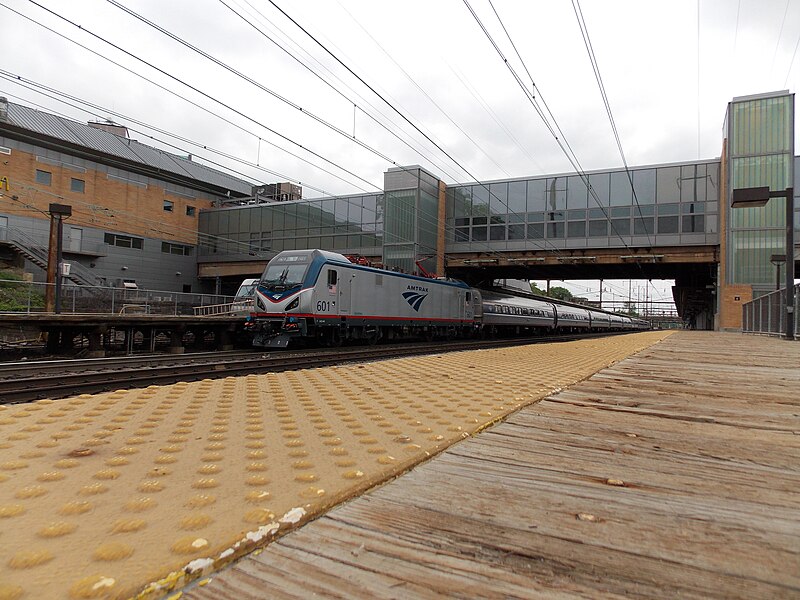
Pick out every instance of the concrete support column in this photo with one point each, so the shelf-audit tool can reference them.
(96, 349)
(224, 338)
(176, 341)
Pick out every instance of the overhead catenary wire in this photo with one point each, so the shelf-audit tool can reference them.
(184, 99)
(406, 212)
(537, 244)
(576, 5)
(476, 180)
(488, 110)
(325, 81)
(791, 62)
(202, 236)
(297, 107)
(422, 91)
(204, 94)
(780, 34)
(54, 95)
(551, 127)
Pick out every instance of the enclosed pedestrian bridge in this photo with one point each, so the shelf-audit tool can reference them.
(668, 221)
(554, 227)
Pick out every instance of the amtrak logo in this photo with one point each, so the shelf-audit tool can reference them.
(415, 299)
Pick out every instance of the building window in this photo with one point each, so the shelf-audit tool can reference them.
(576, 229)
(44, 177)
(190, 210)
(693, 223)
(497, 232)
(643, 226)
(123, 241)
(598, 228)
(535, 231)
(516, 232)
(667, 224)
(621, 226)
(260, 241)
(180, 249)
(77, 185)
(169, 205)
(555, 230)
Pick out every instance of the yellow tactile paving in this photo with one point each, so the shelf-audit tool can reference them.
(136, 491)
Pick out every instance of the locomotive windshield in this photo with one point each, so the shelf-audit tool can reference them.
(246, 290)
(285, 273)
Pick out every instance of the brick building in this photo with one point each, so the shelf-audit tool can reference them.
(135, 208)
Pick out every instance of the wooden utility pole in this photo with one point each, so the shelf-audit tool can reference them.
(52, 298)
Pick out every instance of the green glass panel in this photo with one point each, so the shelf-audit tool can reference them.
(761, 126)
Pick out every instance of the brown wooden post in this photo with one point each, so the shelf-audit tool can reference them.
(52, 266)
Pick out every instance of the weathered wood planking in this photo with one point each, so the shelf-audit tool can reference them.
(703, 430)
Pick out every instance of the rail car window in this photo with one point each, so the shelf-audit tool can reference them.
(333, 277)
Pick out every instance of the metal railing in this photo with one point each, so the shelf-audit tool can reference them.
(238, 307)
(28, 297)
(767, 314)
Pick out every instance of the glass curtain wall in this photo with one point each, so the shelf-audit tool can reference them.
(350, 224)
(412, 217)
(671, 204)
(760, 134)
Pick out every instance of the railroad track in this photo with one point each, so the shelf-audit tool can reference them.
(24, 382)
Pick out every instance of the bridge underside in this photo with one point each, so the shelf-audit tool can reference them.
(693, 268)
(679, 263)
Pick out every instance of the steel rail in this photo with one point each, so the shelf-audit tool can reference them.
(64, 383)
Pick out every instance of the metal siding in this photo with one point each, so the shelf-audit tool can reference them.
(43, 123)
(109, 143)
(100, 140)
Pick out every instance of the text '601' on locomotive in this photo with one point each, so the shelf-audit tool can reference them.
(322, 296)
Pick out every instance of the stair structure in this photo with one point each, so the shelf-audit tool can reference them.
(22, 244)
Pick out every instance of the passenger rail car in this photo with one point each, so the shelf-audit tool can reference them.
(322, 296)
(509, 314)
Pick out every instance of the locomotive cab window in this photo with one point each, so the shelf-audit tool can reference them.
(333, 277)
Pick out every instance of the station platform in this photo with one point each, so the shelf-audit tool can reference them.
(673, 472)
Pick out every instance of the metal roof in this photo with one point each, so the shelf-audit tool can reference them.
(81, 134)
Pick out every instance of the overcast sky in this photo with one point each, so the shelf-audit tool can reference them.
(668, 78)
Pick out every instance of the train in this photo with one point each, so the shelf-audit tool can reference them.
(323, 297)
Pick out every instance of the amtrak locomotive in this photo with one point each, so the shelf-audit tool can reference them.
(322, 296)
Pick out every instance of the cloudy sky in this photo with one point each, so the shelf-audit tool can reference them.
(669, 69)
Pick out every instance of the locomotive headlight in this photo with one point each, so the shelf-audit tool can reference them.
(293, 304)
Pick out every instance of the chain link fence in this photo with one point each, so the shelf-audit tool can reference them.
(767, 314)
(29, 297)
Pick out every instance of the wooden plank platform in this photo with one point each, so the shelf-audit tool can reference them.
(675, 473)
